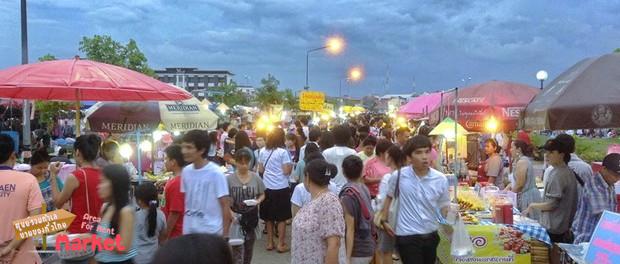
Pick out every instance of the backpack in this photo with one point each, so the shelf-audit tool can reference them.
(366, 220)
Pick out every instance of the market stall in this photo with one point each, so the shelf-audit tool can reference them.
(150, 123)
(498, 233)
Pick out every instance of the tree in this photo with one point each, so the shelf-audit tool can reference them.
(289, 100)
(617, 50)
(47, 110)
(107, 50)
(47, 57)
(230, 95)
(268, 94)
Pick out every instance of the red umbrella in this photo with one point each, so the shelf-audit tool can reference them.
(77, 79)
(477, 104)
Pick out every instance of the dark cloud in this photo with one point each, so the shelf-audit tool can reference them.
(434, 44)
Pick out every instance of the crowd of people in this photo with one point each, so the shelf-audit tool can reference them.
(357, 192)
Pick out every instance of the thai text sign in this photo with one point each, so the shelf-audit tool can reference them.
(42, 224)
(311, 101)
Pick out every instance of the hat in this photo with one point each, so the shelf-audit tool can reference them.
(612, 162)
(554, 144)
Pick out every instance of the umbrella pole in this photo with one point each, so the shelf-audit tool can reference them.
(139, 157)
(78, 126)
(456, 137)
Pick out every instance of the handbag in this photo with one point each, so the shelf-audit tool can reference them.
(393, 210)
(87, 251)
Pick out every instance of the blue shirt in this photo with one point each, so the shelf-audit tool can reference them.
(46, 190)
(597, 197)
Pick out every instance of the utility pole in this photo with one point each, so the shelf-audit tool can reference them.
(26, 106)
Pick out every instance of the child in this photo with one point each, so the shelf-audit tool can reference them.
(174, 206)
(150, 223)
(39, 164)
(245, 185)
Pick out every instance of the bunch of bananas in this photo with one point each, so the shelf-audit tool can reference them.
(470, 201)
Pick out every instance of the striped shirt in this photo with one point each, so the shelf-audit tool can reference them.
(597, 197)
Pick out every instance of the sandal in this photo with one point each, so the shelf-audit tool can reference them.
(283, 249)
(270, 248)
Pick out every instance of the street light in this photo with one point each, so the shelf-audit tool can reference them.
(354, 74)
(541, 76)
(334, 45)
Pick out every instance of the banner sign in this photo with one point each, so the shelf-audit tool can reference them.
(311, 101)
(492, 244)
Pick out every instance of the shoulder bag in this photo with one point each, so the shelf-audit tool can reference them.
(86, 252)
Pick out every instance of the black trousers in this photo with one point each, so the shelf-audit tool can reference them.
(418, 248)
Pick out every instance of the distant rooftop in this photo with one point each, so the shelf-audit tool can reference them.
(192, 70)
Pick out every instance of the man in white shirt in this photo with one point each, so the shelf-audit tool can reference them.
(423, 194)
(336, 154)
(207, 207)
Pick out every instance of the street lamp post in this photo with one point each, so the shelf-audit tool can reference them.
(334, 45)
(541, 76)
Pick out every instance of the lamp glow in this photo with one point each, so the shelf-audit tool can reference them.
(125, 151)
(176, 133)
(542, 75)
(334, 45)
(146, 146)
(157, 135)
(356, 73)
(491, 124)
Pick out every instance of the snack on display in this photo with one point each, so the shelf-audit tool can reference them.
(470, 219)
(513, 240)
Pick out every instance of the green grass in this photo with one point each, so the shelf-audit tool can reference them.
(588, 149)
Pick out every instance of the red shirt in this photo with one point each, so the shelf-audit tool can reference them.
(79, 207)
(375, 169)
(175, 202)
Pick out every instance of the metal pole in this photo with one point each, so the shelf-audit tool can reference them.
(139, 157)
(456, 124)
(307, 56)
(26, 106)
(541, 84)
(441, 109)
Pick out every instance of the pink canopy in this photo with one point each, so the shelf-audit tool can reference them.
(420, 106)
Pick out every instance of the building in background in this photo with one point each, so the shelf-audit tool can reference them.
(193, 78)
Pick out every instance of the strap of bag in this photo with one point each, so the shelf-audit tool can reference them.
(267, 161)
(86, 190)
(579, 180)
(397, 190)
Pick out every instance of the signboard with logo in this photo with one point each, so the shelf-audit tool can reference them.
(492, 244)
(605, 242)
(311, 101)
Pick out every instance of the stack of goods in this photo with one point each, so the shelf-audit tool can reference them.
(540, 252)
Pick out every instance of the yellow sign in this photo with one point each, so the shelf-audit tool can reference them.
(43, 224)
(311, 101)
(328, 107)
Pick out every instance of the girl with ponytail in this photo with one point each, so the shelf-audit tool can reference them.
(318, 227)
(150, 222)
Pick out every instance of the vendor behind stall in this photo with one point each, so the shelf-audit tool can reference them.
(494, 166)
(598, 195)
(559, 198)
